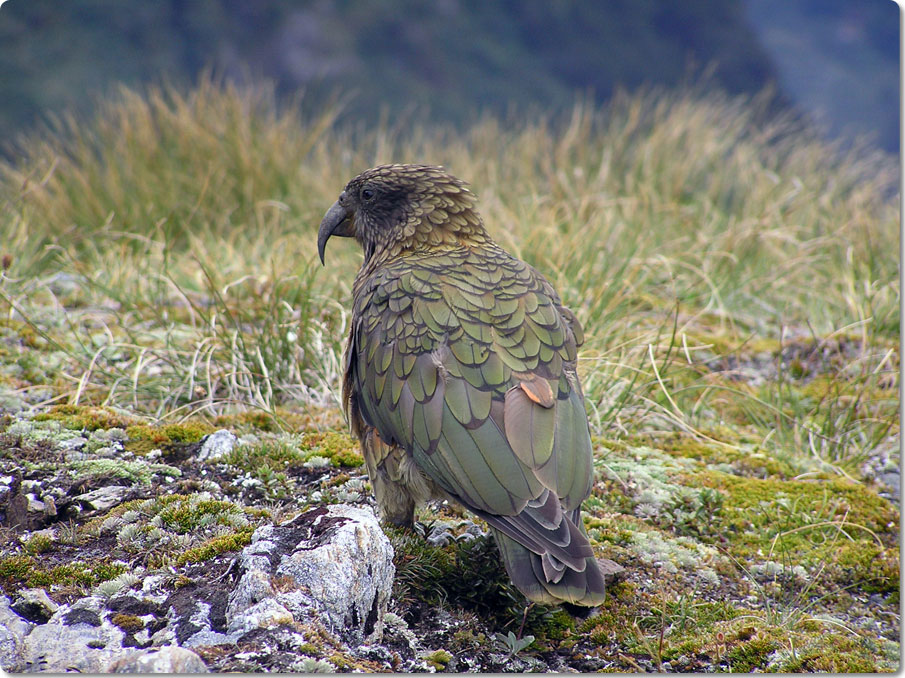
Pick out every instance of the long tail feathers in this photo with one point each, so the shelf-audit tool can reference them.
(545, 579)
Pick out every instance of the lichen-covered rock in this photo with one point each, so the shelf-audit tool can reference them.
(332, 562)
(265, 614)
(103, 498)
(13, 630)
(34, 605)
(217, 444)
(76, 638)
(168, 659)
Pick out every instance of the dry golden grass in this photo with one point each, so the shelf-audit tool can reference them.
(165, 249)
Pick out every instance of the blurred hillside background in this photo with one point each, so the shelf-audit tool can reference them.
(834, 61)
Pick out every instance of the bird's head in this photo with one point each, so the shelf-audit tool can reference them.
(393, 208)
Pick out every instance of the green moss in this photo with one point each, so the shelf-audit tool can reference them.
(557, 626)
(275, 455)
(751, 655)
(85, 417)
(140, 447)
(170, 433)
(745, 459)
(439, 659)
(186, 433)
(26, 571)
(252, 420)
(873, 567)
(215, 546)
(283, 452)
(794, 516)
(38, 543)
(128, 622)
(340, 448)
(23, 331)
(280, 420)
(616, 616)
(839, 653)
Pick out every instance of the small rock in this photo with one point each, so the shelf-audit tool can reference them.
(34, 504)
(892, 480)
(17, 512)
(84, 611)
(168, 659)
(103, 498)
(34, 605)
(217, 444)
(73, 444)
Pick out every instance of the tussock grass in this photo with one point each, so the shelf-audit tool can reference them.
(166, 248)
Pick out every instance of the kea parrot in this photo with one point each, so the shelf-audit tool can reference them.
(460, 380)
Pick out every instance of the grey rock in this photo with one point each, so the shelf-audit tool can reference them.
(103, 498)
(13, 630)
(34, 604)
(265, 614)
(253, 587)
(892, 480)
(168, 659)
(34, 504)
(205, 638)
(217, 444)
(332, 563)
(152, 588)
(200, 618)
(73, 444)
(77, 638)
(349, 572)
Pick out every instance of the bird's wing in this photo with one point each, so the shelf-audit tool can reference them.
(467, 360)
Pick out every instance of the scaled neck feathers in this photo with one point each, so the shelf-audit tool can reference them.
(414, 208)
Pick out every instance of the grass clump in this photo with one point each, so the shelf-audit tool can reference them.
(432, 575)
(186, 513)
(38, 544)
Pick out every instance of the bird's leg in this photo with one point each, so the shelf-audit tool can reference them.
(396, 505)
(386, 470)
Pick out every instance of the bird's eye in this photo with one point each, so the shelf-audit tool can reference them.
(367, 194)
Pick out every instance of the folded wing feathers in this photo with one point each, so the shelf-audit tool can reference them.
(520, 461)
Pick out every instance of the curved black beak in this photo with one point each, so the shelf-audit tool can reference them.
(337, 221)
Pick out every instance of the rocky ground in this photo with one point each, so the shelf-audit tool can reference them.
(230, 546)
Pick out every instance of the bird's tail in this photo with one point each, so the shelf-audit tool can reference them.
(545, 579)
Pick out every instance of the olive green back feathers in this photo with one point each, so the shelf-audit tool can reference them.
(462, 358)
